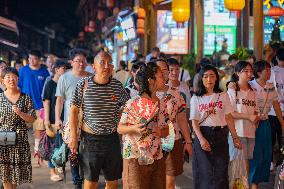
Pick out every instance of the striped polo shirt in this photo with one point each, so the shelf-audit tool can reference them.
(101, 104)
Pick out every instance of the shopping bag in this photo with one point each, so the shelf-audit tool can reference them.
(237, 171)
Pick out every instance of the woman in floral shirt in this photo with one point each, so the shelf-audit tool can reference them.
(143, 165)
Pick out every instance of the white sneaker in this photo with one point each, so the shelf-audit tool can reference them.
(271, 166)
(56, 178)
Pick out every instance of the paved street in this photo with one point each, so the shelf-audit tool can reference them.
(41, 179)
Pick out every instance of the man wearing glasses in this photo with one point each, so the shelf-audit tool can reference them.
(65, 88)
(101, 101)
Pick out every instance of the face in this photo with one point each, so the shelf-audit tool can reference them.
(234, 62)
(164, 69)
(10, 80)
(103, 66)
(209, 79)
(157, 84)
(250, 60)
(49, 62)
(79, 63)
(2, 67)
(265, 74)
(34, 60)
(174, 73)
(246, 73)
(60, 71)
(155, 54)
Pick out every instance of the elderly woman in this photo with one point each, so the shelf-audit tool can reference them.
(16, 109)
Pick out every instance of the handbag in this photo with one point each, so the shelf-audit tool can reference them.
(8, 138)
(66, 129)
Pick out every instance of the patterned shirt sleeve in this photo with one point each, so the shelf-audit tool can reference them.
(78, 94)
(124, 96)
(124, 115)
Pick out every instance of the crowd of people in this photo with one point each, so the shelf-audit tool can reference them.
(139, 124)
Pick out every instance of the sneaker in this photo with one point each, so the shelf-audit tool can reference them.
(271, 166)
(56, 178)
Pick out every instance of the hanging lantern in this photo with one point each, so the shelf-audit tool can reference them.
(110, 3)
(234, 5)
(181, 10)
(140, 23)
(275, 12)
(100, 14)
(141, 13)
(140, 31)
(86, 28)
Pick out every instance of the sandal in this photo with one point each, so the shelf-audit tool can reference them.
(39, 159)
(55, 178)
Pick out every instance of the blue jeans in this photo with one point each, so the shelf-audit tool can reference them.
(75, 173)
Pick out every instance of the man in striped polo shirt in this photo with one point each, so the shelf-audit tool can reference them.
(101, 98)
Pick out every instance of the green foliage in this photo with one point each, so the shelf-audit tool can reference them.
(242, 53)
(189, 61)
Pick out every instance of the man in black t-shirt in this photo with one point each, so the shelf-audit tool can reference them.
(49, 101)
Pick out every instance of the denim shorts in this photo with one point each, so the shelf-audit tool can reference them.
(100, 152)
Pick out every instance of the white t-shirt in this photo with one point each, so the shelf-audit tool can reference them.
(184, 75)
(277, 78)
(262, 93)
(201, 106)
(244, 102)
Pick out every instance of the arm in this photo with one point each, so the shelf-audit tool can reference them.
(133, 129)
(278, 112)
(203, 142)
(251, 117)
(25, 116)
(183, 125)
(231, 126)
(73, 122)
(46, 105)
(58, 111)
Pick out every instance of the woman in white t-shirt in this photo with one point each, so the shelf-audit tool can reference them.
(243, 100)
(211, 119)
(266, 97)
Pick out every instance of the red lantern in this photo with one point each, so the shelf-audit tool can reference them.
(86, 28)
(275, 12)
(100, 14)
(110, 3)
(140, 31)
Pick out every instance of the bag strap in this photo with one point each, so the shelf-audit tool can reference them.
(210, 111)
(85, 86)
(266, 98)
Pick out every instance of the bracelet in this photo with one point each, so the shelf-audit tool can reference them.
(190, 142)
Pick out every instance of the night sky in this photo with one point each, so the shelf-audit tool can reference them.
(42, 13)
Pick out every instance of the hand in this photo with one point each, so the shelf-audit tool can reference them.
(205, 145)
(232, 85)
(187, 148)
(237, 143)
(16, 110)
(73, 145)
(47, 123)
(254, 118)
(138, 129)
(163, 132)
(58, 124)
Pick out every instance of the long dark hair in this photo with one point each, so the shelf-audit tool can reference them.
(146, 72)
(238, 68)
(201, 90)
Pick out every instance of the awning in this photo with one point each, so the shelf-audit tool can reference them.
(9, 33)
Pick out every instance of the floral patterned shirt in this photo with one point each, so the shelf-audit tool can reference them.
(171, 104)
(141, 110)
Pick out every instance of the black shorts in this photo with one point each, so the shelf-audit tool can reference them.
(100, 152)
